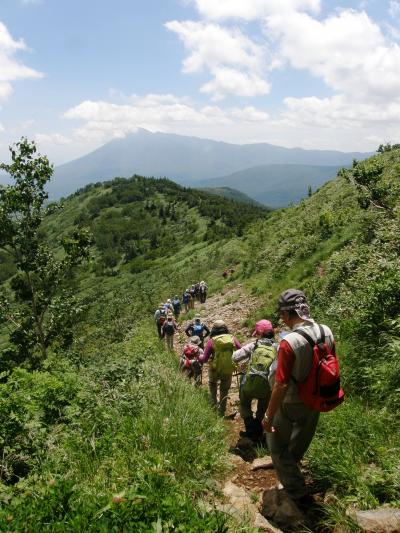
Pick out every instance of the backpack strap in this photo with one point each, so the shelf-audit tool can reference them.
(310, 341)
(308, 337)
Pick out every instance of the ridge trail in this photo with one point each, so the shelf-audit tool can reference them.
(233, 306)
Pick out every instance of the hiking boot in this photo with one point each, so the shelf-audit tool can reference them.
(305, 503)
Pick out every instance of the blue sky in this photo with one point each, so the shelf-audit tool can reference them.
(310, 73)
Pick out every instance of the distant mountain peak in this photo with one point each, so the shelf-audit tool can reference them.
(186, 160)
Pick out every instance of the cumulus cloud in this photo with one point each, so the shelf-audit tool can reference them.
(103, 120)
(355, 57)
(347, 51)
(10, 69)
(232, 81)
(251, 9)
(350, 53)
(235, 62)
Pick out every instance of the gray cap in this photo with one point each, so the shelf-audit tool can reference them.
(195, 340)
(219, 323)
(293, 299)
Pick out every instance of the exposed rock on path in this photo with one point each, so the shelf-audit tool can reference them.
(233, 306)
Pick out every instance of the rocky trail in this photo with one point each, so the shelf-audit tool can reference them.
(252, 472)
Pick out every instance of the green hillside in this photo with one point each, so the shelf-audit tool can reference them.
(232, 194)
(103, 435)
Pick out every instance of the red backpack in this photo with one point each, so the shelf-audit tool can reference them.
(321, 391)
(190, 351)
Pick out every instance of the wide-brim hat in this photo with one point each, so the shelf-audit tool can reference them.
(293, 299)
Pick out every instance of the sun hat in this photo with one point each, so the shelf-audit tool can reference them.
(293, 299)
(219, 324)
(262, 326)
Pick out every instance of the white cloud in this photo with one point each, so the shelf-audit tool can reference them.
(211, 46)
(104, 120)
(251, 9)
(235, 62)
(231, 81)
(347, 51)
(10, 69)
(350, 53)
(150, 109)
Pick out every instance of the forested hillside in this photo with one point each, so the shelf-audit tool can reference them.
(102, 433)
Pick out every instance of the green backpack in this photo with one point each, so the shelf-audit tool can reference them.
(255, 382)
(223, 350)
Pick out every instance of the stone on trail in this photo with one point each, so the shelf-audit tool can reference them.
(241, 507)
(236, 460)
(277, 506)
(262, 523)
(264, 463)
(382, 520)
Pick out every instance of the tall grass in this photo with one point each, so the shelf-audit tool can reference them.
(135, 452)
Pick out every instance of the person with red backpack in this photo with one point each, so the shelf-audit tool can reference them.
(189, 360)
(219, 350)
(307, 381)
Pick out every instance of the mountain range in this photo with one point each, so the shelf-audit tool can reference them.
(270, 174)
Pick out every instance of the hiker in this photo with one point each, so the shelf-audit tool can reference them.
(219, 350)
(289, 422)
(186, 300)
(176, 304)
(168, 306)
(259, 356)
(199, 329)
(197, 291)
(192, 294)
(189, 360)
(159, 318)
(203, 292)
(168, 331)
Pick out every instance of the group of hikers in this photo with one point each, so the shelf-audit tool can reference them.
(291, 379)
(168, 313)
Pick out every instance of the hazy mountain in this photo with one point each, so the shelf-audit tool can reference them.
(275, 185)
(183, 159)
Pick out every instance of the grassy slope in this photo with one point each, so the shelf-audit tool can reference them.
(347, 261)
(326, 245)
(110, 435)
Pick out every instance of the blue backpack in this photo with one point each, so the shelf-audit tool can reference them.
(198, 330)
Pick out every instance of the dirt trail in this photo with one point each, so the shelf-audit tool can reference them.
(233, 306)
